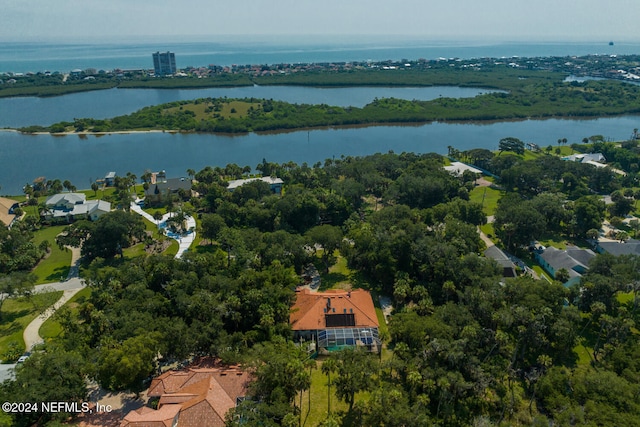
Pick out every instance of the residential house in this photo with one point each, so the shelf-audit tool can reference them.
(68, 207)
(575, 260)
(110, 179)
(629, 247)
(7, 207)
(192, 398)
(508, 267)
(274, 183)
(459, 168)
(335, 319)
(586, 158)
(161, 187)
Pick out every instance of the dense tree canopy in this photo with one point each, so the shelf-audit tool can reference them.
(466, 345)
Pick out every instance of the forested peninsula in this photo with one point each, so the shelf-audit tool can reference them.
(538, 95)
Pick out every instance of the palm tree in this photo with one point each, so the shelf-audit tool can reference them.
(191, 173)
(328, 366)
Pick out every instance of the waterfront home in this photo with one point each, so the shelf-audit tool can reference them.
(459, 168)
(110, 179)
(274, 183)
(68, 207)
(7, 207)
(161, 187)
(335, 319)
(586, 158)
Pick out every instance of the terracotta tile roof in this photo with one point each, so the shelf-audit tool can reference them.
(203, 396)
(147, 417)
(308, 312)
(169, 382)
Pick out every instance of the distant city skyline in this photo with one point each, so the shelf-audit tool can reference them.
(90, 21)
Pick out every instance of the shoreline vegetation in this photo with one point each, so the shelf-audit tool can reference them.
(528, 89)
(536, 99)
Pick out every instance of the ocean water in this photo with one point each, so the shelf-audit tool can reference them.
(22, 57)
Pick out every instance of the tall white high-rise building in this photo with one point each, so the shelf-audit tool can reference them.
(164, 63)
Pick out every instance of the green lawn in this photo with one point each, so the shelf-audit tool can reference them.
(16, 314)
(486, 196)
(338, 276)
(51, 328)
(556, 241)
(315, 401)
(56, 265)
(489, 231)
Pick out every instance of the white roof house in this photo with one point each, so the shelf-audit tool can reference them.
(458, 168)
(240, 182)
(71, 206)
(586, 158)
(274, 182)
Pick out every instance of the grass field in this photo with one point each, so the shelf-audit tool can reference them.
(232, 109)
(50, 329)
(486, 196)
(315, 402)
(16, 314)
(339, 274)
(56, 265)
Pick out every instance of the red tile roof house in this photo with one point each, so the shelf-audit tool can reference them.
(192, 398)
(335, 319)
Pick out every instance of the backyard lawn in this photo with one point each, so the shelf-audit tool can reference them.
(486, 196)
(316, 400)
(56, 265)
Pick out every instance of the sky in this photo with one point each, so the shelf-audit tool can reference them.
(510, 20)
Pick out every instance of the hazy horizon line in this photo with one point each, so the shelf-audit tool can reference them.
(302, 39)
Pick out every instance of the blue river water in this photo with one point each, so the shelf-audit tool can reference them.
(81, 160)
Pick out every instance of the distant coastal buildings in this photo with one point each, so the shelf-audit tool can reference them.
(164, 63)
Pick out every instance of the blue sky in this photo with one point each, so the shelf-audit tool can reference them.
(558, 20)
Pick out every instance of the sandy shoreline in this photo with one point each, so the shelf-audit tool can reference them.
(115, 132)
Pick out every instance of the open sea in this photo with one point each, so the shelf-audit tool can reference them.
(23, 57)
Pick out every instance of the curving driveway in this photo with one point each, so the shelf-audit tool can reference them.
(31, 334)
(71, 286)
(184, 241)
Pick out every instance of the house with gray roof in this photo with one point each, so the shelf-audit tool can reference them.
(630, 247)
(163, 187)
(575, 260)
(508, 267)
(68, 207)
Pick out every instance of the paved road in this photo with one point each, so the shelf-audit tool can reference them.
(31, 334)
(71, 286)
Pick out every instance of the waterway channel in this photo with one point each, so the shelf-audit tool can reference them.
(86, 158)
(81, 160)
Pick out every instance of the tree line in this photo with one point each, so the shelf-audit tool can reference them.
(468, 347)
